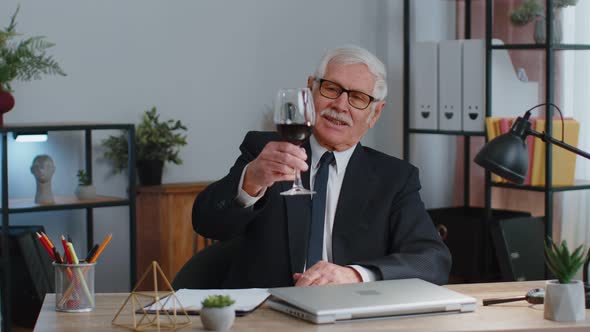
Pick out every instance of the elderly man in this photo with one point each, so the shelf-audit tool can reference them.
(374, 222)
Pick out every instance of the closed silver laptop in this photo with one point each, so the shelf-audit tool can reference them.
(379, 299)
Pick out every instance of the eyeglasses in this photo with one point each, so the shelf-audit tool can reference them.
(333, 90)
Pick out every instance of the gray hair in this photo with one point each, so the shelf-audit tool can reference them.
(352, 55)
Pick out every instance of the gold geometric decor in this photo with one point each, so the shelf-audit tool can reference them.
(139, 315)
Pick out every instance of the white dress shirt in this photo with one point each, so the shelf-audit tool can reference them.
(335, 178)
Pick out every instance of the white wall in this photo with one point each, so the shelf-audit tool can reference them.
(213, 64)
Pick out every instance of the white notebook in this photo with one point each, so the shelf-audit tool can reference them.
(247, 299)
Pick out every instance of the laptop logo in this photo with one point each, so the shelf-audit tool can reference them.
(368, 292)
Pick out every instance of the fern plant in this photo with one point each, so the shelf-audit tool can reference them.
(24, 60)
(561, 262)
(217, 301)
(154, 140)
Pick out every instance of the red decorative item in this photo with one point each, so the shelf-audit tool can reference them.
(6, 104)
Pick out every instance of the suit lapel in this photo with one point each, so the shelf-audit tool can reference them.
(354, 194)
(298, 218)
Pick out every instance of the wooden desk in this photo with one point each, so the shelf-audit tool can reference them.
(503, 317)
(164, 230)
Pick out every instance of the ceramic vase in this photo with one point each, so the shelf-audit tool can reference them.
(6, 103)
(540, 30)
(564, 302)
(86, 192)
(218, 319)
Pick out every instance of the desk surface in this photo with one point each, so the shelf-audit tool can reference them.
(515, 316)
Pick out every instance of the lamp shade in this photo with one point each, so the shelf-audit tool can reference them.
(507, 156)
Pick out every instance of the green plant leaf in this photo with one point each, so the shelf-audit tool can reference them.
(24, 60)
(577, 254)
(83, 178)
(561, 262)
(553, 262)
(154, 140)
(217, 301)
(526, 13)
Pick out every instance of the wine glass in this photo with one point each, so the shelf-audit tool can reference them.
(295, 116)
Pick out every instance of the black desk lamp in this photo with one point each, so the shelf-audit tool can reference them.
(508, 157)
(507, 154)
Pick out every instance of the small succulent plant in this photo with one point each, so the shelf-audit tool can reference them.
(83, 178)
(217, 301)
(561, 262)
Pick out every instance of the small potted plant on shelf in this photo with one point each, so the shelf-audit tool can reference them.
(155, 143)
(85, 189)
(564, 297)
(24, 60)
(218, 312)
(531, 10)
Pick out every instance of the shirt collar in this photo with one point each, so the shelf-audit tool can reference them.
(341, 157)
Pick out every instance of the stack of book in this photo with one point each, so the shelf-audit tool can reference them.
(563, 162)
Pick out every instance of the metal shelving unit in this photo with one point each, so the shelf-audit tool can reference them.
(11, 206)
(549, 48)
(407, 131)
(467, 135)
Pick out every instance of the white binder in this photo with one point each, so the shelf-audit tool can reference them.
(473, 85)
(510, 96)
(450, 84)
(424, 111)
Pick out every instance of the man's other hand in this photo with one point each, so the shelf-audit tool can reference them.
(277, 162)
(324, 273)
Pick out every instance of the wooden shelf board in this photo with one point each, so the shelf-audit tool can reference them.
(174, 188)
(29, 202)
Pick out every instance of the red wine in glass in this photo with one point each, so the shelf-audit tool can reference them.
(294, 117)
(295, 133)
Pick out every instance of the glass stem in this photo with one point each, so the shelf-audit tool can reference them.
(297, 182)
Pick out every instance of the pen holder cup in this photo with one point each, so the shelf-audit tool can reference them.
(74, 287)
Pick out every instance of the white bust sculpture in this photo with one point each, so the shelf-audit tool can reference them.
(43, 169)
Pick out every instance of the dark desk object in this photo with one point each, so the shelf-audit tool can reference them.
(585, 278)
(163, 226)
(31, 274)
(208, 268)
(520, 248)
(466, 234)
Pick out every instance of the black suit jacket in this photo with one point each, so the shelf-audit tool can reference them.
(380, 222)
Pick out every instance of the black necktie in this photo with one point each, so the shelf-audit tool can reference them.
(318, 211)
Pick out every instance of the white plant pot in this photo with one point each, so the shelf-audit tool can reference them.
(564, 302)
(86, 192)
(218, 319)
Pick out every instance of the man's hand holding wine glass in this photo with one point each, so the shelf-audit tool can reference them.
(277, 162)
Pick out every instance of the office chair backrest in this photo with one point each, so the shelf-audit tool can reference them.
(208, 268)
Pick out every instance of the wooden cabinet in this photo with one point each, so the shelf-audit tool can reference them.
(164, 227)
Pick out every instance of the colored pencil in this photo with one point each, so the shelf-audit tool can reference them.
(46, 245)
(101, 248)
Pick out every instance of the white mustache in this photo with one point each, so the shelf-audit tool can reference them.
(337, 115)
